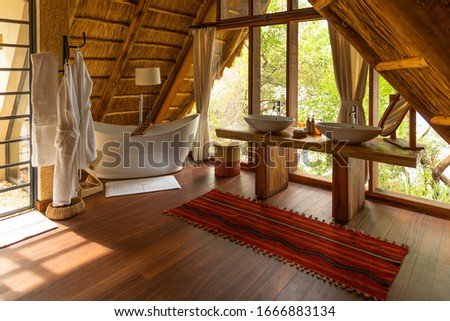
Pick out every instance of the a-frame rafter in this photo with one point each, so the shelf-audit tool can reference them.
(121, 61)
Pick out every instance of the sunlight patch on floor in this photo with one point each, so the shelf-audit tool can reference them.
(37, 263)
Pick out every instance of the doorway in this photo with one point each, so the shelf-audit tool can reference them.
(17, 42)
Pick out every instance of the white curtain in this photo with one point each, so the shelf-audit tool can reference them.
(350, 72)
(206, 62)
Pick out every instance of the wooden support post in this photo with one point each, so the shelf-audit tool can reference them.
(348, 192)
(271, 174)
(412, 129)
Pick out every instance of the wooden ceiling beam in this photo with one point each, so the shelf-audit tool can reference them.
(174, 84)
(158, 10)
(121, 61)
(127, 2)
(172, 13)
(320, 4)
(183, 33)
(154, 60)
(427, 24)
(366, 51)
(102, 21)
(441, 120)
(118, 113)
(407, 63)
(176, 78)
(98, 40)
(157, 45)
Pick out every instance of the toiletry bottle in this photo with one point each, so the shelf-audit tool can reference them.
(308, 124)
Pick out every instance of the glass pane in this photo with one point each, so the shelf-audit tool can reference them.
(233, 9)
(269, 6)
(16, 128)
(317, 94)
(271, 69)
(301, 4)
(314, 163)
(14, 9)
(229, 97)
(430, 179)
(14, 58)
(14, 81)
(14, 152)
(15, 104)
(14, 176)
(15, 199)
(14, 33)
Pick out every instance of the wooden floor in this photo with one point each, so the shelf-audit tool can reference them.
(123, 248)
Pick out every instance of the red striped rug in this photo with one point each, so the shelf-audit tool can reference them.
(350, 259)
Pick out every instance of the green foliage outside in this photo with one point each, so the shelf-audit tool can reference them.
(317, 94)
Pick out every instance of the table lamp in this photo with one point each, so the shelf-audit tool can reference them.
(147, 77)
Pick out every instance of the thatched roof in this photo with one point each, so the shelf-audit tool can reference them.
(126, 34)
(406, 41)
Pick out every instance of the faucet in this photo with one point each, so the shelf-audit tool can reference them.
(277, 107)
(354, 114)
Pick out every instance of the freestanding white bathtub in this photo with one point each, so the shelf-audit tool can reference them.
(162, 150)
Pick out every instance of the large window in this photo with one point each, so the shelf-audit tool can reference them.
(229, 97)
(269, 69)
(234, 9)
(291, 72)
(317, 95)
(16, 43)
(431, 178)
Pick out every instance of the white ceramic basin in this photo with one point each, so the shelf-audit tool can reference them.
(269, 123)
(348, 133)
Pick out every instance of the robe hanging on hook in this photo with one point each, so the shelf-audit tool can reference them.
(66, 47)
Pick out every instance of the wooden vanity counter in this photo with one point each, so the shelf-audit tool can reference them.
(271, 172)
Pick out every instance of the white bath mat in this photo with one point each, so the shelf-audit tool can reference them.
(141, 185)
(23, 226)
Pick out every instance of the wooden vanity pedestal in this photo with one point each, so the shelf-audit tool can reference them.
(272, 163)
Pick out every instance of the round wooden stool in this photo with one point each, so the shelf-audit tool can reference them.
(227, 158)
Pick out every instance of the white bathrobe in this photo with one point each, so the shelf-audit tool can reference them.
(65, 179)
(83, 88)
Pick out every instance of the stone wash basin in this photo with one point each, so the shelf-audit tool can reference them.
(269, 123)
(348, 133)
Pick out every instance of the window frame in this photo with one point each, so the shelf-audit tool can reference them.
(290, 17)
(31, 47)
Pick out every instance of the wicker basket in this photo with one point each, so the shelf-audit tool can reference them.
(65, 212)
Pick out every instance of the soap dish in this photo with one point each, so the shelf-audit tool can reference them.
(300, 133)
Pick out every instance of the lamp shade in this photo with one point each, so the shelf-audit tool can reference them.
(147, 76)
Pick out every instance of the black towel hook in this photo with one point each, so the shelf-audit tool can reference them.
(84, 42)
(66, 47)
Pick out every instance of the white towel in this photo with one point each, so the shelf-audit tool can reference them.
(44, 93)
(43, 142)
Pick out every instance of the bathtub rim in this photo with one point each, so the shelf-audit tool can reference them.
(155, 130)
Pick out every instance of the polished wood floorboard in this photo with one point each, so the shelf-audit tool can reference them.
(124, 248)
